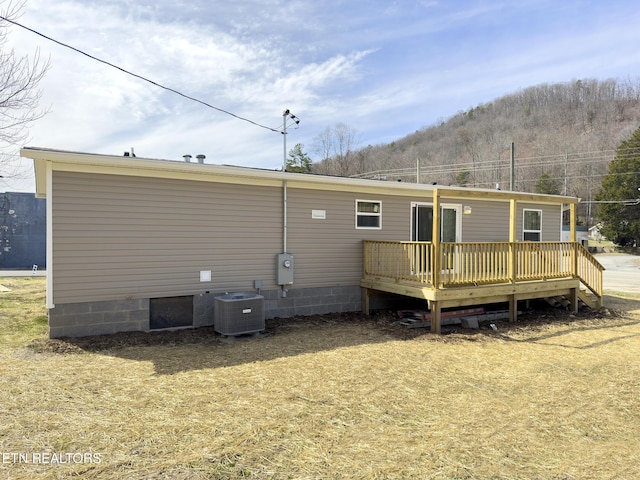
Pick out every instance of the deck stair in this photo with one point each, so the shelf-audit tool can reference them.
(585, 297)
(559, 301)
(589, 298)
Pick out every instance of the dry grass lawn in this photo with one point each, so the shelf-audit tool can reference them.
(322, 398)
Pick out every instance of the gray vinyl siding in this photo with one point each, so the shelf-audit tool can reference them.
(487, 222)
(551, 221)
(329, 252)
(127, 237)
(119, 237)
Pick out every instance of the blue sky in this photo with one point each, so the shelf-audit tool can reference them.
(384, 68)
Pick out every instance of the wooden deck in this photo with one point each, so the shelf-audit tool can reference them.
(462, 274)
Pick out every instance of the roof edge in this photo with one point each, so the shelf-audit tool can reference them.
(141, 166)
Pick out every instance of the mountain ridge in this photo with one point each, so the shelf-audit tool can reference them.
(565, 135)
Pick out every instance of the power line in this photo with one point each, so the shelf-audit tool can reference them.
(139, 76)
(627, 203)
(542, 161)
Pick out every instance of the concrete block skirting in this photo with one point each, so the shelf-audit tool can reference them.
(98, 318)
(312, 301)
(105, 317)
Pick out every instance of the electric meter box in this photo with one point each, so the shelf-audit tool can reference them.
(285, 269)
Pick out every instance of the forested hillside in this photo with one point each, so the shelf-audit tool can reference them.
(564, 136)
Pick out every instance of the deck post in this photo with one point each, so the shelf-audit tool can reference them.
(365, 301)
(513, 216)
(435, 317)
(573, 298)
(435, 242)
(572, 222)
(513, 308)
(436, 262)
(572, 239)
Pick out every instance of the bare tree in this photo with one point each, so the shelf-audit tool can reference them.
(568, 131)
(322, 145)
(19, 93)
(337, 147)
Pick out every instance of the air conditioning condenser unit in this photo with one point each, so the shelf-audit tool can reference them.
(238, 313)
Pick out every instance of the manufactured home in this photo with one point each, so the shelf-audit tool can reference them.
(131, 240)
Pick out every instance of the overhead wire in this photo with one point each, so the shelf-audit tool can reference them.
(189, 97)
(586, 159)
(477, 166)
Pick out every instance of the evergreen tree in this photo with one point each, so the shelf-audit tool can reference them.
(298, 161)
(621, 218)
(463, 178)
(547, 185)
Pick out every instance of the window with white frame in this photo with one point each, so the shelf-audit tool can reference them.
(532, 225)
(368, 214)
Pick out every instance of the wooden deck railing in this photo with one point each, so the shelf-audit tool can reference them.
(478, 263)
(544, 260)
(399, 261)
(475, 263)
(589, 270)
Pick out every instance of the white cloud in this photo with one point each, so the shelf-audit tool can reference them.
(384, 68)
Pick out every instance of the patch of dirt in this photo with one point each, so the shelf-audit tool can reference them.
(96, 343)
(388, 322)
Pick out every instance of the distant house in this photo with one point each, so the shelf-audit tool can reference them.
(23, 231)
(595, 234)
(582, 234)
(126, 234)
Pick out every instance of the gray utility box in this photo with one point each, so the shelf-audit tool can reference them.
(285, 269)
(238, 313)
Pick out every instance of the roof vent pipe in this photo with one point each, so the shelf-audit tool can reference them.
(201, 158)
(187, 158)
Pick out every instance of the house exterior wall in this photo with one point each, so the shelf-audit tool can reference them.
(329, 252)
(487, 222)
(551, 220)
(120, 237)
(121, 240)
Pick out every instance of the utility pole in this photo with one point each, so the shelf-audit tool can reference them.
(590, 202)
(284, 139)
(286, 115)
(512, 169)
(566, 160)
